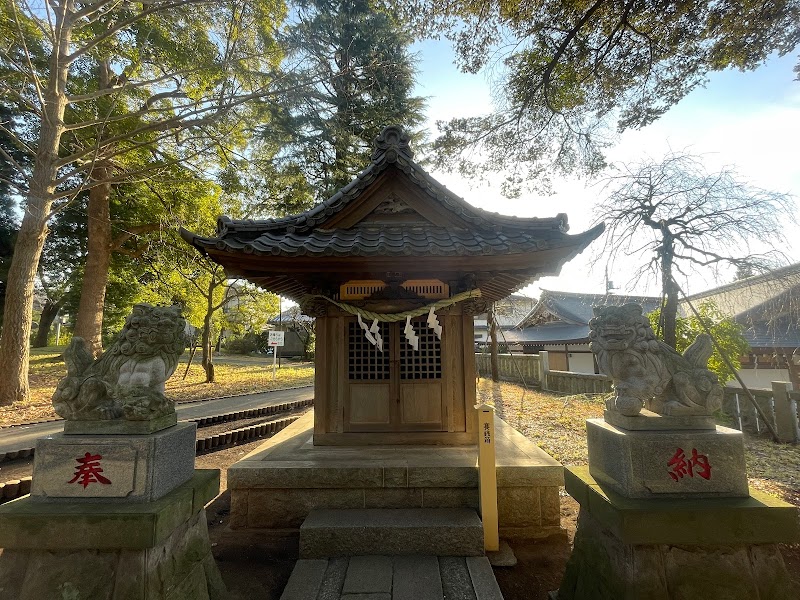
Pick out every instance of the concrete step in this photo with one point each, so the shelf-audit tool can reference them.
(393, 578)
(394, 531)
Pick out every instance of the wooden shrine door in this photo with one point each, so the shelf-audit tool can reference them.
(399, 389)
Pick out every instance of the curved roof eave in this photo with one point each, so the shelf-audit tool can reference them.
(401, 158)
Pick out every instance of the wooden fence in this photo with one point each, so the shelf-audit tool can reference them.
(513, 367)
(535, 371)
(780, 405)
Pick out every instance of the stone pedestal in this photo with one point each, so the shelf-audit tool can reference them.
(136, 551)
(115, 513)
(113, 468)
(666, 514)
(677, 549)
(278, 485)
(658, 463)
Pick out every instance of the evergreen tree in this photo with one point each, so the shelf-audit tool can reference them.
(354, 76)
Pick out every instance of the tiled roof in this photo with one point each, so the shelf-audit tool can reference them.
(576, 308)
(304, 234)
(392, 210)
(742, 295)
(548, 333)
(767, 306)
(508, 312)
(386, 241)
(782, 335)
(293, 314)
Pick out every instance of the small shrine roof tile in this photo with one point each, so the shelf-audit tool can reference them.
(381, 241)
(354, 223)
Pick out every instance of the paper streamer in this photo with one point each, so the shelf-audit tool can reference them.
(411, 337)
(433, 323)
(375, 331)
(367, 333)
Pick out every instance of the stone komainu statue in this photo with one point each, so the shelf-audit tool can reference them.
(127, 381)
(646, 371)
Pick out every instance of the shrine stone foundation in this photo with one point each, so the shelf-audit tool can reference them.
(666, 514)
(274, 488)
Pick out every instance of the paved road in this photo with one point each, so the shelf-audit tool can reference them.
(20, 438)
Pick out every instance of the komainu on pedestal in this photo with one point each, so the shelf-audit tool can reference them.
(127, 381)
(647, 372)
(117, 509)
(666, 512)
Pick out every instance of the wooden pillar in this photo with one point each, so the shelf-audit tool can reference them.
(785, 412)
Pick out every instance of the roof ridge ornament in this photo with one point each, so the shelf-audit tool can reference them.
(391, 142)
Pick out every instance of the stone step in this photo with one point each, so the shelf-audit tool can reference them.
(393, 578)
(396, 531)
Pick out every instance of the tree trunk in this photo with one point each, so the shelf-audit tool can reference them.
(307, 342)
(49, 313)
(669, 311)
(89, 320)
(18, 312)
(493, 350)
(208, 361)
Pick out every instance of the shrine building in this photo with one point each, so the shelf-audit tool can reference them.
(393, 267)
(393, 242)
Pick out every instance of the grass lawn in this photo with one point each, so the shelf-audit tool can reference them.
(234, 375)
(556, 424)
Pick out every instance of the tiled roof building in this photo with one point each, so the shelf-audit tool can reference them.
(386, 247)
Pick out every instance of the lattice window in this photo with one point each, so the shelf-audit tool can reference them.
(425, 363)
(366, 362)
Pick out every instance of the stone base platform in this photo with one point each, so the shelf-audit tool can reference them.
(677, 549)
(279, 484)
(392, 531)
(641, 463)
(138, 551)
(393, 578)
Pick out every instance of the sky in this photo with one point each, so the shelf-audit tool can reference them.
(749, 121)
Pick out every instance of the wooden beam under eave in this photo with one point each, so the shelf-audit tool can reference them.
(545, 261)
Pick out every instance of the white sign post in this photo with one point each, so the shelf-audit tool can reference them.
(275, 341)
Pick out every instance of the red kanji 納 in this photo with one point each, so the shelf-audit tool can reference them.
(696, 464)
(88, 471)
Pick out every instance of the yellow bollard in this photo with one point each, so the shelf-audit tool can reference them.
(488, 478)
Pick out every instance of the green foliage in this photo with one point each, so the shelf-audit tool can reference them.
(726, 333)
(176, 272)
(355, 76)
(248, 308)
(568, 73)
(264, 185)
(246, 344)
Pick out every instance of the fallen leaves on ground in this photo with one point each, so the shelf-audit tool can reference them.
(557, 424)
